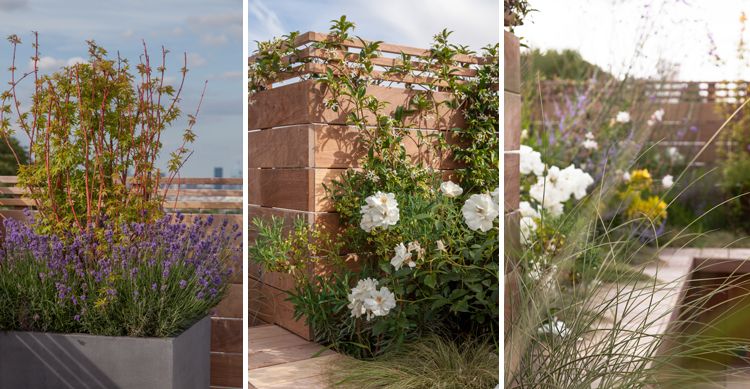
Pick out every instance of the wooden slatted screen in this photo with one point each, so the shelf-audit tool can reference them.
(297, 143)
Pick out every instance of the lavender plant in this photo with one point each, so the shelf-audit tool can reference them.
(141, 279)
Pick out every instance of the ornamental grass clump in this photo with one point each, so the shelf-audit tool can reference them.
(141, 279)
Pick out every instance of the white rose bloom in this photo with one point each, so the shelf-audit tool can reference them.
(527, 210)
(557, 328)
(528, 227)
(555, 209)
(380, 210)
(359, 294)
(450, 189)
(496, 195)
(667, 181)
(576, 181)
(548, 189)
(380, 302)
(402, 255)
(530, 161)
(590, 143)
(656, 117)
(557, 187)
(622, 117)
(674, 154)
(658, 114)
(626, 176)
(480, 212)
(416, 248)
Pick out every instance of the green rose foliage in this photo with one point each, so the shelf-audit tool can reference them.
(94, 130)
(454, 285)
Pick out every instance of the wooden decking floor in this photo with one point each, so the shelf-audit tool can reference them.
(279, 359)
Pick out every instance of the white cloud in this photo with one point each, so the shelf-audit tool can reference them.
(475, 23)
(50, 64)
(214, 39)
(226, 75)
(263, 22)
(12, 5)
(195, 59)
(217, 20)
(217, 29)
(128, 33)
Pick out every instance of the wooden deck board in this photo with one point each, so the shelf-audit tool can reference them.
(279, 359)
(281, 355)
(292, 374)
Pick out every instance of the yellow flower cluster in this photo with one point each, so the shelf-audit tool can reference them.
(640, 179)
(653, 208)
(636, 194)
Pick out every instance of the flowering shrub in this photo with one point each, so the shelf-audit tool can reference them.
(638, 194)
(414, 252)
(149, 279)
(545, 192)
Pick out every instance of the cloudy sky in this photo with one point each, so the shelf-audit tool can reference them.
(609, 32)
(209, 31)
(475, 22)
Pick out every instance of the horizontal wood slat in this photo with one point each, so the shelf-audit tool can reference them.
(178, 197)
(305, 102)
(311, 36)
(271, 305)
(226, 370)
(226, 335)
(334, 146)
(231, 304)
(301, 189)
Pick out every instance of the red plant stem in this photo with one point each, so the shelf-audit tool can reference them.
(81, 117)
(99, 147)
(70, 201)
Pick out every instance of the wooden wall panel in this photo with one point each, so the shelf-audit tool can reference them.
(231, 305)
(226, 370)
(511, 188)
(334, 146)
(226, 335)
(305, 102)
(271, 305)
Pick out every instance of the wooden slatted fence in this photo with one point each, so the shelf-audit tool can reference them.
(221, 197)
(693, 111)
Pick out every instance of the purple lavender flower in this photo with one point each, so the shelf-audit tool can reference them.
(119, 260)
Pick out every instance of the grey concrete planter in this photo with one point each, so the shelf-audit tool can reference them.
(47, 360)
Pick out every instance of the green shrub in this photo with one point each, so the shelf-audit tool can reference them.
(95, 130)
